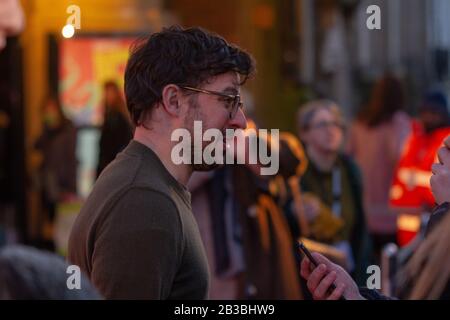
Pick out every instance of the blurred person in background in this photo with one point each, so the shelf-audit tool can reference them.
(284, 186)
(11, 20)
(332, 186)
(410, 193)
(247, 237)
(27, 273)
(11, 23)
(58, 170)
(375, 141)
(30, 274)
(271, 269)
(117, 129)
(425, 276)
(440, 183)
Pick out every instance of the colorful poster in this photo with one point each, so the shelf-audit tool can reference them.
(85, 64)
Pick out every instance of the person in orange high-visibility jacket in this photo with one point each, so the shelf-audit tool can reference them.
(410, 193)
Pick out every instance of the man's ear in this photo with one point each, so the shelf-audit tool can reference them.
(171, 99)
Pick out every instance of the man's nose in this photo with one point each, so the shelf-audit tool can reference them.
(239, 121)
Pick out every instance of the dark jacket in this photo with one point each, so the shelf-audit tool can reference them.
(59, 166)
(116, 133)
(359, 237)
(270, 267)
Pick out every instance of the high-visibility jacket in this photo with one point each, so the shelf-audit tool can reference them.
(410, 192)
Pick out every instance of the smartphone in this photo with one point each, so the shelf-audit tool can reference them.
(306, 252)
(314, 262)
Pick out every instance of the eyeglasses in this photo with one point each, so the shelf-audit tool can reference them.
(233, 101)
(326, 124)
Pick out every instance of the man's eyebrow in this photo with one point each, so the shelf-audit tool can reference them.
(230, 90)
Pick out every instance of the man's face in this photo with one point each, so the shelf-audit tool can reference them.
(11, 20)
(214, 111)
(325, 133)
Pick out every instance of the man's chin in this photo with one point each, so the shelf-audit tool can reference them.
(206, 167)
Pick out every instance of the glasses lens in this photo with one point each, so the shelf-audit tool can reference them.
(236, 105)
(324, 124)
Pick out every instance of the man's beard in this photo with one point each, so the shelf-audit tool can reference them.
(203, 166)
(196, 116)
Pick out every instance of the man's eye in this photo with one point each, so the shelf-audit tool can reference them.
(228, 101)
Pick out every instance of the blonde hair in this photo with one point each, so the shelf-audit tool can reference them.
(428, 271)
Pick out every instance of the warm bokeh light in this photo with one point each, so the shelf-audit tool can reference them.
(68, 31)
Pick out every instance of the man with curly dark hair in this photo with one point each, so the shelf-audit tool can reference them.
(136, 236)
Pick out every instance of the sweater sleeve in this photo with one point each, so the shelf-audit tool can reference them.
(138, 248)
(371, 294)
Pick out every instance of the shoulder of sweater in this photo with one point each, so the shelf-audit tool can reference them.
(145, 204)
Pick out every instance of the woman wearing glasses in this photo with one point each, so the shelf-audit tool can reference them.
(332, 187)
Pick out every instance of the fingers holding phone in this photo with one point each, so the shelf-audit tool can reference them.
(328, 281)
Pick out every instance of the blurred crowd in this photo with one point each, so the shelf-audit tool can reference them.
(347, 190)
(343, 189)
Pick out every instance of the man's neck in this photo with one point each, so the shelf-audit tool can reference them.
(323, 160)
(162, 147)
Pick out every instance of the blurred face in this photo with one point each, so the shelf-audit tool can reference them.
(11, 20)
(111, 95)
(325, 132)
(214, 111)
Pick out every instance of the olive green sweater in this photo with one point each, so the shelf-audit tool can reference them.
(136, 237)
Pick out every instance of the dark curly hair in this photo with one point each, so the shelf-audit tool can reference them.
(186, 57)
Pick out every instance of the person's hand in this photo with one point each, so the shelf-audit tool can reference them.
(440, 180)
(320, 279)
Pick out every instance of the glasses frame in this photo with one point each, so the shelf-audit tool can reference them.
(237, 103)
(323, 125)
